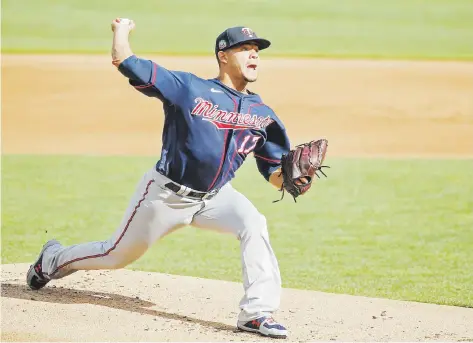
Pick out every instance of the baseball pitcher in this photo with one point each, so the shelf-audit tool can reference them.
(210, 127)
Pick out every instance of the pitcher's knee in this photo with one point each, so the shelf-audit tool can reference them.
(255, 225)
(123, 257)
(118, 262)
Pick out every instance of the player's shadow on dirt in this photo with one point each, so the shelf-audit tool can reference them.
(61, 295)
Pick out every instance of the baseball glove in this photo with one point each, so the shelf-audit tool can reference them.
(304, 161)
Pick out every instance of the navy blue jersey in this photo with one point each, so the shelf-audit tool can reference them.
(209, 128)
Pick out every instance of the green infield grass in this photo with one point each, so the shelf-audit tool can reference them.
(400, 229)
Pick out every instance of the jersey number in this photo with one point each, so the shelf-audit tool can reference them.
(242, 149)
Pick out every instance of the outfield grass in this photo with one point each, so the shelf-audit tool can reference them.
(401, 229)
(418, 29)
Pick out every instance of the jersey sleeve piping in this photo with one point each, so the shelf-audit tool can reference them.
(153, 78)
(267, 159)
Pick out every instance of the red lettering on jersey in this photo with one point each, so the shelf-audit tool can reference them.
(253, 120)
(247, 119)
(228, 120)
(231, 117)
(220, 114)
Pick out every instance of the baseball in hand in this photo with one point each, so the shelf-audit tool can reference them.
(123, 22)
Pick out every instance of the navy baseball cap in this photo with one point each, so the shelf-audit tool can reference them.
(238, 35)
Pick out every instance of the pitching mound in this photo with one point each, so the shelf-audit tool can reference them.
(126, 305)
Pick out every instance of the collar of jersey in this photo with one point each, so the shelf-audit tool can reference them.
(233, 91)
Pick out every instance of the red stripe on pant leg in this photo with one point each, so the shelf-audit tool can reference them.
(119, 238)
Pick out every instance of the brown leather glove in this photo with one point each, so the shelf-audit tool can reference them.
(304, 161)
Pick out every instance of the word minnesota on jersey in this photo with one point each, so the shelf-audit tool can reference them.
(228, 120)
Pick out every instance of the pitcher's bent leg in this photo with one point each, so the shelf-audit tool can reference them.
(231, 212)
(129, 242)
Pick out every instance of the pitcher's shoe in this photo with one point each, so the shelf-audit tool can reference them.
(265, 326)
(35, 278)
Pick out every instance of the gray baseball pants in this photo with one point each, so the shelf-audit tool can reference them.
(155, 211)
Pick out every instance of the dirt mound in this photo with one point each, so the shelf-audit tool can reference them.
(126, 305)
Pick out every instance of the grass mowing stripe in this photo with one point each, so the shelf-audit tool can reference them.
(440, 29)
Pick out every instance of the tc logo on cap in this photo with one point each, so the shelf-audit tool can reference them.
(247, 32)
(222, 44)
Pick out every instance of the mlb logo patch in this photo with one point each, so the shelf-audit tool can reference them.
(247, 32)
(222, 44)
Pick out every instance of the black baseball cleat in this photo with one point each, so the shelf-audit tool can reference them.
(35, 278)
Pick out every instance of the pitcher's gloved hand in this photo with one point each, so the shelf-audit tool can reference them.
(300, 165)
